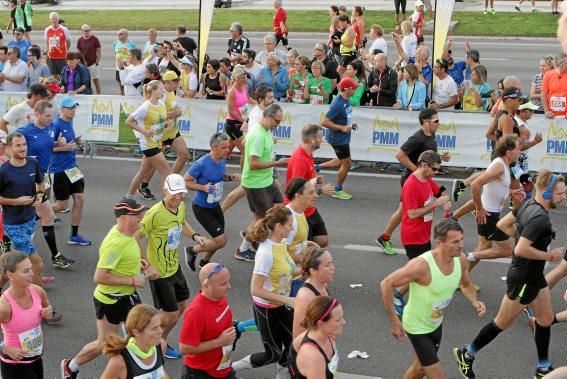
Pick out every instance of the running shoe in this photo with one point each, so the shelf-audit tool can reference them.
(190, 257)
(386, 246)
(66, 210)
(246, 255)
(400, 168)
(342, 194)
(399, 303)
(385, 167)
(492, 11)
(47, 280)
(78, 240)
(137, 152)
(541, 372)
(172, 353)
(56, 220)
(146, 193)
(171, 154)
(354, 165)
(66, 372)
(54, 319)
(203, 262)
(60, 261)
(517, 8)
(465, 362)
(458, 189)
(485, 11)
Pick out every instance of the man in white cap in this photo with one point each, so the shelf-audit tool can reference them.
(523, 114)
(163, 226)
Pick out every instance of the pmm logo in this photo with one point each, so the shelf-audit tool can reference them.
(102, 114)
(446, 136)
(556, 142)
(221, 119)
(385, 133)
(283, 130)
(11, 101)
(184, 121)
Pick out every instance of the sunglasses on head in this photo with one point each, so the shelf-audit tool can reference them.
(218, 268)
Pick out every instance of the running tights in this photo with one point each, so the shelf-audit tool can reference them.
(275, 326)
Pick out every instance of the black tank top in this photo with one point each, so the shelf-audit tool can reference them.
(515, 129)
(214, 85)
(133, 363)
(292, 359)
(313, 289)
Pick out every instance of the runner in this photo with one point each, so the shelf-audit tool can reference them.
(166, 221)
(41, 141)
(117, 276)
(525, 280)
(258, 173)
(408, 155)
(314, 352)
(300, 195)
(68, 180)
(237, 103)
(270, 288)
(206, 176)
(339, 122)
(302, 165)
(140, 354)
(150, 120)
(318, 269)
(208, 345)
(22, 307)
(22, 114)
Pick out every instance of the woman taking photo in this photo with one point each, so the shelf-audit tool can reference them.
(188, 82)
(545, 64)
(22, 307)
(150, 120)
(270, 287)
(411, 91)
(313, 353)
(237, 101)
(475, 94)
(320, 87)
(355, 70)
(318, 270)
(298, 91)
(213, 83)
(75, 77)
(274, 76)
(141, 353)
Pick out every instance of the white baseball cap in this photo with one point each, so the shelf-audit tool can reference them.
(419, 3)
(175, 184)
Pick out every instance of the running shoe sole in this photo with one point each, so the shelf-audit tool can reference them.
(69, 242)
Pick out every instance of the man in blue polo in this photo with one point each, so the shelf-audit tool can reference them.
(67, 179)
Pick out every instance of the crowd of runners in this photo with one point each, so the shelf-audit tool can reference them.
(286, 238)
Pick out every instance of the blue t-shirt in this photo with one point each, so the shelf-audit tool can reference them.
(427, 72)
(23, 45)
(63, 160)
(206, 170)
(40, 143)
(457, 72)
(340, 113)
(16, 182)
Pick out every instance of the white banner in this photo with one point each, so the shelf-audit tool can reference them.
(380, 134)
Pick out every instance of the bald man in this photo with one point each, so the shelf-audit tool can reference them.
(207, 335)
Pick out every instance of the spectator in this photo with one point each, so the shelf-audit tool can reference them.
(3, 56)
(378, 43)
(456, 69)
(151, 73)
(225, 67)
(554, 89)
(320, 87)
(270, 47)
(168, 59)
(213, 83)
(275, 76)
(14, 75)
(418, 20)
(407, 46)
(89, 47)
(472, 58)
(422, 63)
(292, 55)
(132, 75)
(21, 43)
(148, 48)
(411, 92)
(348, 43)
(545, 64)
(36, 68)
(187, 43)
(20, 17)
(58, 41)
(236, 44)
(359, 26)
(75, 78)
(298, 91)
(280, 28)
(253, 69)
(336, 32)
(445, 91)
(121, 48)
(382, 82)
(355, 70)
(153, 58)
(22, 114)
(320, 54)
(476, 93)
(189, 83)
(397, 4)
(342, 10)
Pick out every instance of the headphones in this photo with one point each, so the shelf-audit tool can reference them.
(548, 193)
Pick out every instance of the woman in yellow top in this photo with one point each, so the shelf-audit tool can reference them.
(301, 195)
(270, 287)
(150, 120)
(189, 83)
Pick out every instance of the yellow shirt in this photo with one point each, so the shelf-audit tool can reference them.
(296, 241)
(151, 117)
(171, 131)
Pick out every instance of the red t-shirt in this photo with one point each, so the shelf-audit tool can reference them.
(555, 87)
(57, 42)
(417, 194)
(204, 320)
(88, 47)
(279, 16)
(301, 165)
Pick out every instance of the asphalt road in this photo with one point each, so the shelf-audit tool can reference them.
(352, 226)
(501, 56)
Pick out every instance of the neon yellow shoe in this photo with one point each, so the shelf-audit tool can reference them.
(342, 194)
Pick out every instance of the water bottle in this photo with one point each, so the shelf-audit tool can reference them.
(247, 326)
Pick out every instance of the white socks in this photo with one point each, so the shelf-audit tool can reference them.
(243, 364)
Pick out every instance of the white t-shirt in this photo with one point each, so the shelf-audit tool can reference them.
(443, 90)
(20, 68)
(379, 43)
(409, 45)
(254, 118)
(255, 70)
(19, 115)
(132, 75)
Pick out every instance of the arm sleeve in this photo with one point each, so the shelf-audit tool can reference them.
(140, 112)
(355, 99)
(263, 263)
(410, 145)
(38, 176)
(533, 228)
(195, 170)
(409, 198)
(191, 328)
(134, 76)
(333, 111)
(256, 145)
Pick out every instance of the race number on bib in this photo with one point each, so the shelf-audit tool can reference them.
(316, 99)
(158, 373)
(226, 358)
(173, 237)
(215, 192)
(32, 342)
(74, 174)
(557, 103)
(438, 311)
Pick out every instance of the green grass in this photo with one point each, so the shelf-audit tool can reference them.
(539, 24)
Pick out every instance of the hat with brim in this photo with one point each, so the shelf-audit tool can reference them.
(128, 207)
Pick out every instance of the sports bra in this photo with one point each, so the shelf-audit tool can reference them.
(331, 364)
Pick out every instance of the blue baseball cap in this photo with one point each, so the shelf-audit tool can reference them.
(68, 102)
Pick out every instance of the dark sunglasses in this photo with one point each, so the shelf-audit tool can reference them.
(218, 268)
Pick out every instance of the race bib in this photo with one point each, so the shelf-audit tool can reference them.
(158, 373)
(158, 131)
(173, 237)
(333, 364)
(316, 99)
(284, 287)
(428, 217)
(557, 103)
(74, 174)
(32, 342)
(226, 358)
(215, 192)
(53, 42)
(298, 96)
(300, 247)
(517, 171)
(46, 182)
(438, 311)
(244, 111)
